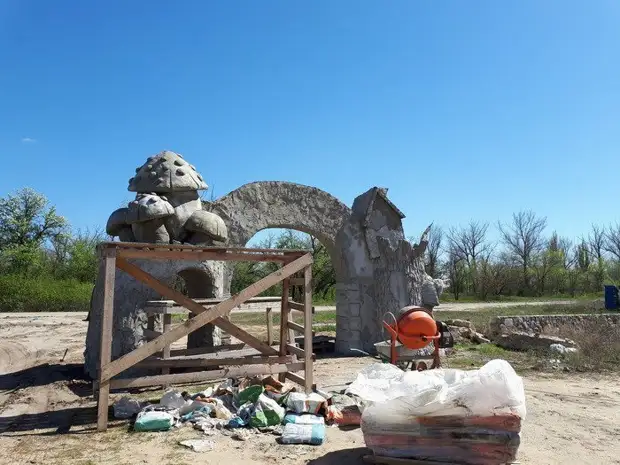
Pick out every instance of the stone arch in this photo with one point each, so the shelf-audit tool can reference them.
(276, 204)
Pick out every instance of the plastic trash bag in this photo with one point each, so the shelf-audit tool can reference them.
(126, 407)
(172, 400)
(153, 420)
(470, 417)
(299, 402)
(267, 413)
(294, 433)
(249, 394)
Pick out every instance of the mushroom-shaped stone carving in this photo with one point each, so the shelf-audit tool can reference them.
(146, 215)
(117, 225)
(166, 172)
(204, 227)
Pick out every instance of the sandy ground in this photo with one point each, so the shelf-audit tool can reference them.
(47, 414)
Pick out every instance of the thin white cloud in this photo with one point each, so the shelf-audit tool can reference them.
(28, 140)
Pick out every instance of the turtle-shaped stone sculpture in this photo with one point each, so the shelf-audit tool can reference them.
(167, 207)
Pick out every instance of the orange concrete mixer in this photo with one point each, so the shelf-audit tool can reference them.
(414, 329)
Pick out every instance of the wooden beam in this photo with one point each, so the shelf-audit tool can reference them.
(308, 327)
(108, 269)
(126, 361)
(244, 336)
(284, 312)
(296, 306)
(296, 327)
(204, 350)
(202, 255)
(147, 247)
(210, 362)
(297, 351)
(269, 317)
(295, 378)
(166, 351)
(183, 378)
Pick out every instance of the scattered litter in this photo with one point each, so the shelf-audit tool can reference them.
(172, 400)
(198, 445)
(153, 420)
(562, 349)
(240, 435)
(350, 415)
(295, 433)
(305, 403)
(267, 412)
(126, 407)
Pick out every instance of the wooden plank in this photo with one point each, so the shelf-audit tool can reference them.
(181, 378)
(296, 306)
(150, 334)
(269, 317)
(210, 362)
(295, 378)
(205, 350)
(244, 336)
(284, 312)
(297, 351)
(121, 364)
(202, 255)
(308, 335)
(147, 246)
(166, 351)
(296, 327)
(108, 268)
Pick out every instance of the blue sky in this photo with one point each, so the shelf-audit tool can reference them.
(462, 109)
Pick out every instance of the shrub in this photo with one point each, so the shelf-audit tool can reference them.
(23, 294)
(599, 346)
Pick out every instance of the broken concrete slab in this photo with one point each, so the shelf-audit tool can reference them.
(521, 341)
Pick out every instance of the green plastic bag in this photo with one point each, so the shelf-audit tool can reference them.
(250, 394)
(267, 413)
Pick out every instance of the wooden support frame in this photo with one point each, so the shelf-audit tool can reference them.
(284, 362)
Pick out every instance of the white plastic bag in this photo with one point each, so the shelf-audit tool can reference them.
(172, 400)
(494, 388)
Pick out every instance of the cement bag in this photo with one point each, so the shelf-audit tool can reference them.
(295, 433)
(304, 419)
(267, 413)
(153, 420)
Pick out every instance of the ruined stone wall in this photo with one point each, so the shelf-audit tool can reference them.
(548, 324)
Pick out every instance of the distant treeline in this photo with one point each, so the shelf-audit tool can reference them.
(45, 266)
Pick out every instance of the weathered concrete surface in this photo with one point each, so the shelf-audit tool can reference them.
(130, 296)
(274, 204)
(521, 341)
(549, 324)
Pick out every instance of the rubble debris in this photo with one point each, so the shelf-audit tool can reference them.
(460, 323)
(521, 341)
(198, 445)
(562, 349)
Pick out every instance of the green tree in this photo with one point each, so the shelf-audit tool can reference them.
(27, 220)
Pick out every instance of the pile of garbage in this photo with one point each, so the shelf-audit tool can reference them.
(445, 415)
(266, 405)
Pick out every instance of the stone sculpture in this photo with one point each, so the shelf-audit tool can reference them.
(167, 208)
(377, 269)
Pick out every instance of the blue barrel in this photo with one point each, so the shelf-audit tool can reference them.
(612, 302)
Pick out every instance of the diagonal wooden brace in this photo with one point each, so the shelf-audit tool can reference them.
(203, 316)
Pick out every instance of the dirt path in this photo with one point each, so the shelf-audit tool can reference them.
(47, 416)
